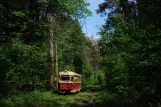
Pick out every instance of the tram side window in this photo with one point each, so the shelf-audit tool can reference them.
(74, 78)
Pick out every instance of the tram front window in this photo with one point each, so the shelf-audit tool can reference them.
(65, 78)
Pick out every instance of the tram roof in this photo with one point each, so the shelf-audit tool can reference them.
(68, 73)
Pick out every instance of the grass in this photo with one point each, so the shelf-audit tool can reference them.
(89, 97)
(44, 99)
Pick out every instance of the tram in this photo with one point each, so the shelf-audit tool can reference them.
(69, 81)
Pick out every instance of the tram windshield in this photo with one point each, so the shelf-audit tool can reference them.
(65, 78)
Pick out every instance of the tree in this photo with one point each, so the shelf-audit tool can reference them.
(24, 32)
(51, 18)
(64, 7)
(130, 51)
(92, 52)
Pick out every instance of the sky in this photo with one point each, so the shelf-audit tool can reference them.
(90, 28)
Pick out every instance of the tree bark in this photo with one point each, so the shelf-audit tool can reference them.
(51, 21)
(56, 48)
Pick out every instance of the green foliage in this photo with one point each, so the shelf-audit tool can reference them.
(91, 73)
(49, 99)
(115, 73)
(24, 41)
(90, 97)
(78, 10)
(71, 46)
(28, 66)
(130, 51)
(131, 60)
(93, 78)
(100, 77)
(87, 76)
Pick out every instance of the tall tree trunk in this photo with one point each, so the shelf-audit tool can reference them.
(56, 48)
(51, 20)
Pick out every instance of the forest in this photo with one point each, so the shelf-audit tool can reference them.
(39, 38)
